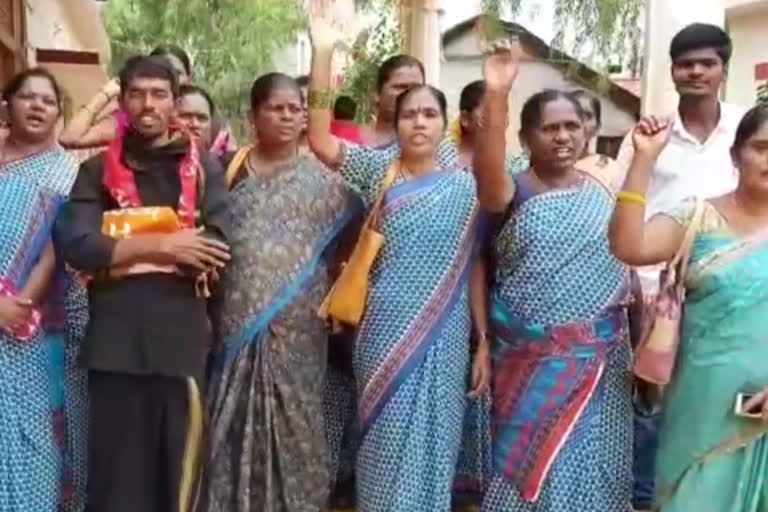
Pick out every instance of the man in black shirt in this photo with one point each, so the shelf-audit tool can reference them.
(148, 335)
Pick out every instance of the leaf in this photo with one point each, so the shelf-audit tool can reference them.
(231, 42)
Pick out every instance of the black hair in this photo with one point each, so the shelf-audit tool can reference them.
(153, 66)
(302, 81)
(749, 125)
(190, 89)
(392, 64)
(19, 79)
(472, 96)
(345, 108)
(176, 51)
(530, 117)
(697, 36)
(264, 86)
(436, 93)
(594, 103)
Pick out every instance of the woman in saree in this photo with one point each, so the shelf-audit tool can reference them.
(395, 75)
(562, 417)
(42, 313)
(589, 159)
(711, 457)
(195, 110)
(268, 450)
(411, 354)
(468, 125)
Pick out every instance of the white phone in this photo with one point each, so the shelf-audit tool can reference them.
(741, 400)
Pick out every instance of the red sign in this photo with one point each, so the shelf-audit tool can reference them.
(761, 71)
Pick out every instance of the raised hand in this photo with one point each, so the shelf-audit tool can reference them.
(651, 135)
(112, 88)
(502, 64)
(323, 31)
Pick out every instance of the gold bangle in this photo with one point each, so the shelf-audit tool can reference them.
(626, 196)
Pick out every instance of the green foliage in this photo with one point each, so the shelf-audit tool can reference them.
(230, 41)
(373, 45)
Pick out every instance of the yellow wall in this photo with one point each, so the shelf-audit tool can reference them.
(749, 31)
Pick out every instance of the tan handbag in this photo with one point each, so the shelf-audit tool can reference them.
(656, 354)
(345, 301)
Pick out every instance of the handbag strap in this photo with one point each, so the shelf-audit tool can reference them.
(236, 163)
(389, 178)
(683, 253)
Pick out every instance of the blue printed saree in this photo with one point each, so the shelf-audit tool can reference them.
(412, 349)
(42, 391)
(561, 412)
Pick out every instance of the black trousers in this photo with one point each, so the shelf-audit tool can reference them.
(141, 449)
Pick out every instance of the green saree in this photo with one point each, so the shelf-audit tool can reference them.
(711, 460)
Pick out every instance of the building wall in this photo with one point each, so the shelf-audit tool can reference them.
(295, 59)
(462, 65)
(749, 31)
(72, 25)
(664, 18)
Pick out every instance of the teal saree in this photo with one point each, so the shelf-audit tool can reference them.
(710, 459)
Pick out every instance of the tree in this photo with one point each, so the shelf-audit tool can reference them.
(610, 28)
(372, 46)
(229, 41)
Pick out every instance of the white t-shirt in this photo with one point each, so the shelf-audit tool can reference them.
(688, 168)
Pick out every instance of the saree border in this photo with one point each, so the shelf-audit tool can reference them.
(699, 270)
(248, 333)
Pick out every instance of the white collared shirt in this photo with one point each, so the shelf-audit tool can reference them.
(688, 168)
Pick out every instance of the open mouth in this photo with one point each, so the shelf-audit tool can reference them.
(563, 153)
(35, 120)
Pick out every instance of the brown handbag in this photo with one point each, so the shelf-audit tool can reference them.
(656, 354)
(345, 301)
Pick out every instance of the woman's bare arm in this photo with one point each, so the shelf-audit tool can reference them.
(478, 296)
(494, 186)
(320, 97)
(633, 240)
(89, 127)
(40, 277)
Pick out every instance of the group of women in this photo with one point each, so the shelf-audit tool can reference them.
(494, 352)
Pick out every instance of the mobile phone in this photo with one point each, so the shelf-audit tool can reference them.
(741, 400)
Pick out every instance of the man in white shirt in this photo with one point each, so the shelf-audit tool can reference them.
(696, 162)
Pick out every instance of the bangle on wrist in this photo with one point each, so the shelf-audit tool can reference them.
(627, 196)
(320, 98)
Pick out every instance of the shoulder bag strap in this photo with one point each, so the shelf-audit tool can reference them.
(389, 178)
(683, 254)
(237, 162)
